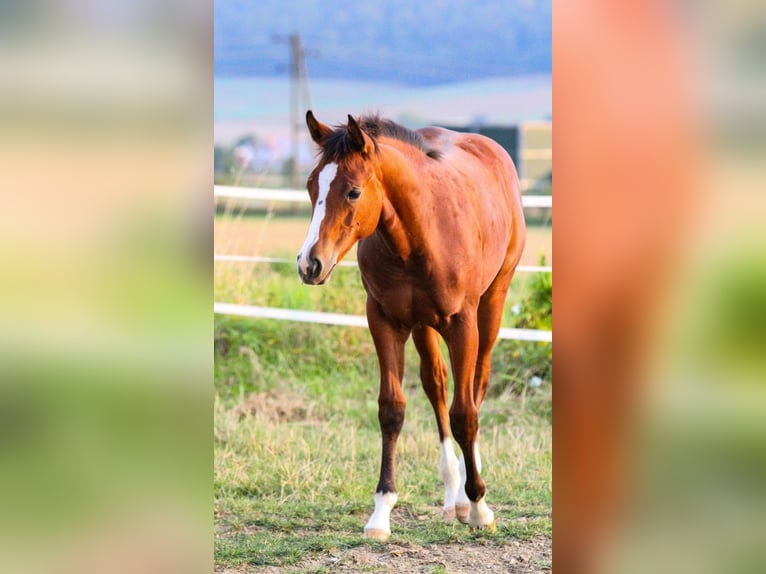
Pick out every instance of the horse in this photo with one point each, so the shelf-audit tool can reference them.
(439, 224)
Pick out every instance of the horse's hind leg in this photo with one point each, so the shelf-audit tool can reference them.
(489, 318)
(434, 377)
(463, 342)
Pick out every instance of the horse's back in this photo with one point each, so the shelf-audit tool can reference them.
(447, 143)
(486, 168)
(478, 156)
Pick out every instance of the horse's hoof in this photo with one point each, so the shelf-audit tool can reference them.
(461, 511)
(491, 527)
(377, 534)
(448, 514)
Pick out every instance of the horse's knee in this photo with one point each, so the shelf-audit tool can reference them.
(391, 415)
(464, 423)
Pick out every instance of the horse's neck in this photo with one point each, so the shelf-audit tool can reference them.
(402, 224)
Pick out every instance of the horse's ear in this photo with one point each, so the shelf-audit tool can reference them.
(317, 129)
(359, 140)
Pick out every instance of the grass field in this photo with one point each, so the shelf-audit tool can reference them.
(297, 444)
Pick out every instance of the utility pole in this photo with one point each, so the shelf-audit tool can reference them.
(299, 98)
(296, 58)
(298, 91)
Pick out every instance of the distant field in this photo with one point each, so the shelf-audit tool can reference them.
(284, 235)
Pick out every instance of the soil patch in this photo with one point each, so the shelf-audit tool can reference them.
(512, 557)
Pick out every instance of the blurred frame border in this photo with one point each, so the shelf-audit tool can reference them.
(661, 286)
(106, 360)
(106, 394)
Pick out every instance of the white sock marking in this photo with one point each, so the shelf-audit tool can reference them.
(380, 519)
(480, 514)
(477, 456)
(462, 497)
(326, 177)
(448, 465)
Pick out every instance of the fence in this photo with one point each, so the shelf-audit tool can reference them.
(295, 196)
(291, 195)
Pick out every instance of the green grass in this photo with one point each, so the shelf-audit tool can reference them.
(297, 443)
(288, 487)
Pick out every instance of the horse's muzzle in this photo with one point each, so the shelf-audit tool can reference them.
(311, 273)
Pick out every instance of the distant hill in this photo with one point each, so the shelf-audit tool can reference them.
(419, 43)
(260, 106)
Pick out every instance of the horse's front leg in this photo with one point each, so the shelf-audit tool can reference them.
(463, 342)
(389, 344)
(433, 375)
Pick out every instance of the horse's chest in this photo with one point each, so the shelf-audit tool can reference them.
(409, 299)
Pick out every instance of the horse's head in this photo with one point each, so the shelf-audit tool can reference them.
(346, 197)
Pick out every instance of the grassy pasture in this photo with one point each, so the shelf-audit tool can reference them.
(297, 444)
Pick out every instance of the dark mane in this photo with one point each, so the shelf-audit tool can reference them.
(337, 145)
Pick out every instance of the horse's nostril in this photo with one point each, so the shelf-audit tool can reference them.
(316, 267)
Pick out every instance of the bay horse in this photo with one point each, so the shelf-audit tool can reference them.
(438, 218)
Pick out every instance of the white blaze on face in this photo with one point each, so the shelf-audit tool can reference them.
(326, 177)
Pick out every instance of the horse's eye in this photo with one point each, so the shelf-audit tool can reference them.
(355, 193)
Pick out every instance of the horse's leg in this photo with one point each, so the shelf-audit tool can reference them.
(490, 314)
(489, 317)
(433, 376)
(463, 342)
(389, 344)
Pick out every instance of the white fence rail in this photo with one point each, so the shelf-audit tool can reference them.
(292, 195)
(349, 320)
(296, 196)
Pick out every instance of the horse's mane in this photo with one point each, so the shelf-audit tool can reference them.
(338, 145)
